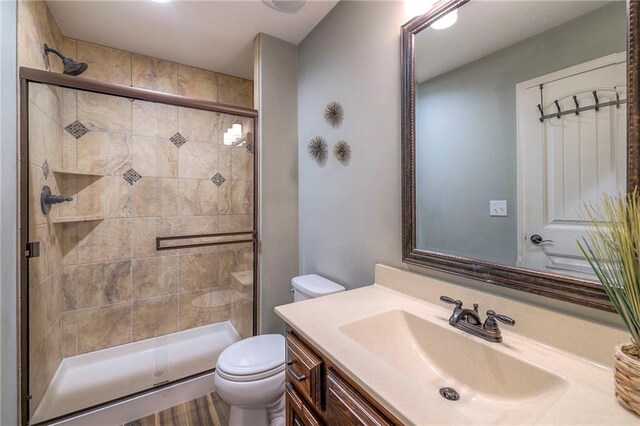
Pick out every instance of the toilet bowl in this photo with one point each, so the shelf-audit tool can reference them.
(250, 374)
(250, 378)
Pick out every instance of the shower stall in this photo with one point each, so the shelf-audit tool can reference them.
(139, 225)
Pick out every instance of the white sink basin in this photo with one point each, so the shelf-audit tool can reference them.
(551, 368)
(489, 378)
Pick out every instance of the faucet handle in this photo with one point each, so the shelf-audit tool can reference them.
(492, 316)
(452, 301)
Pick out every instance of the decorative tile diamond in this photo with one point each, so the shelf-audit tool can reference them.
(77, 129)
(178, 140)
(249, 147)
(131, 176)
(45, 169)
(218, 179)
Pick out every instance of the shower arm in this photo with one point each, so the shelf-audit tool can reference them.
(48, 49)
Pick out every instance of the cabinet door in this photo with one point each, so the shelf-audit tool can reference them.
(346, 407)
(304, 371)
(298, 414)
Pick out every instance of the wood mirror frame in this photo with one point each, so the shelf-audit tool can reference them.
(576, 290)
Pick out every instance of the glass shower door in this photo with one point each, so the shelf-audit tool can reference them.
(90, 316)
(213, 238)
(144, 215)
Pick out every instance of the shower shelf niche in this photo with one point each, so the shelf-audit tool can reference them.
(76, 219)
(74, 172)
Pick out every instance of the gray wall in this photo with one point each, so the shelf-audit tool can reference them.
(8, 244)
(350, 218)
(276, 86)
(466, 130)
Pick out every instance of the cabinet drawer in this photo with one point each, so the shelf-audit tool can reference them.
(346, 407)
(298, 414)
(304, 370)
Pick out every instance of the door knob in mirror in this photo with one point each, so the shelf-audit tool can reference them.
(537, 239)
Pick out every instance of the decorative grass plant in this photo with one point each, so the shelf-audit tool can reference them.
(614, 254)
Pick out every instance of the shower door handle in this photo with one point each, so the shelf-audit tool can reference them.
(251, 238)
(32, 250)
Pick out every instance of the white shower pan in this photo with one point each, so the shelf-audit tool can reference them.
(96, 377)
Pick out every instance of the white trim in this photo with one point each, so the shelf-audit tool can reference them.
(605, 61)
(92, 378)
(144, 405)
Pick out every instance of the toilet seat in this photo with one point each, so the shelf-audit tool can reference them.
(252, 359)
(250, 377)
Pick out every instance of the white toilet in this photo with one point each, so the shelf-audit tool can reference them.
(250, 374)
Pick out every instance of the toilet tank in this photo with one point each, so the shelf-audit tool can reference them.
(311, 286)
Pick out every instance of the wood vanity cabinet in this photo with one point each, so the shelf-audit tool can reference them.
(318, 393)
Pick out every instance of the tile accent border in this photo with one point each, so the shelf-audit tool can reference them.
(131, 176)
(178, 140)
(218, 179)
(45, 169)
(77, 129)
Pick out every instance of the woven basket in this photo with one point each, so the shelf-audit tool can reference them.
(627, 376)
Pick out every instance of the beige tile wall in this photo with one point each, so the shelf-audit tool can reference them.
(45, 272)
(242, 302)
(122, 67)
(101, 283)
(35, 27)
(111, 262)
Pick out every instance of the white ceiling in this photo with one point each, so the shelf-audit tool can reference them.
(486, 26)
(214, 35)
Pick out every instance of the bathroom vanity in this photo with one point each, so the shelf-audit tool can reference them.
(317, 392)
(387, 354)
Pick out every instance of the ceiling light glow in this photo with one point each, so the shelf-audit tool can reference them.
(413, 8)
(446, 21)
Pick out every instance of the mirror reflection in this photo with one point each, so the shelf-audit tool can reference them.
(516, 129)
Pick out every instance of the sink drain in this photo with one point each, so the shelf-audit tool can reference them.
(449, 393)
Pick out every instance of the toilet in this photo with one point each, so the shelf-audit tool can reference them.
(250, 374)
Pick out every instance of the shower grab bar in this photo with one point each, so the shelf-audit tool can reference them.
(160, 247)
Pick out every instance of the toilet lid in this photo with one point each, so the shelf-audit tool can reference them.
(252, 356)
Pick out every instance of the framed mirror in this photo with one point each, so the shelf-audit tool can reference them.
(515, 115)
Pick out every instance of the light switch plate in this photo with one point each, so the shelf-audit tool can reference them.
(498, 208)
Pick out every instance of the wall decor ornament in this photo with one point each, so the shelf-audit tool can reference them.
(342, 152)
(318, 150)
(334, 114)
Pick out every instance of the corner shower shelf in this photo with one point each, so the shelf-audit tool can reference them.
(73, 172)
(77, 219)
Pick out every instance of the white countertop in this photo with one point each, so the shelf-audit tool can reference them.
(587, 397)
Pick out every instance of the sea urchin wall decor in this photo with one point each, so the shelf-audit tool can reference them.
(334, 114)
(342, 152)
(318, 150)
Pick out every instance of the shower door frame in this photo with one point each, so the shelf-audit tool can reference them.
(30, 75)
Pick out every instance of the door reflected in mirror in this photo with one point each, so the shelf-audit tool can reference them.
(520, 119)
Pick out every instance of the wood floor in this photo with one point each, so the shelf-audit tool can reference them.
(208, 410)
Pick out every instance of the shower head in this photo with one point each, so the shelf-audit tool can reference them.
(71, 66)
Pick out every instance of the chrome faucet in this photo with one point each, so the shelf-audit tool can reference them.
(469, 320)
